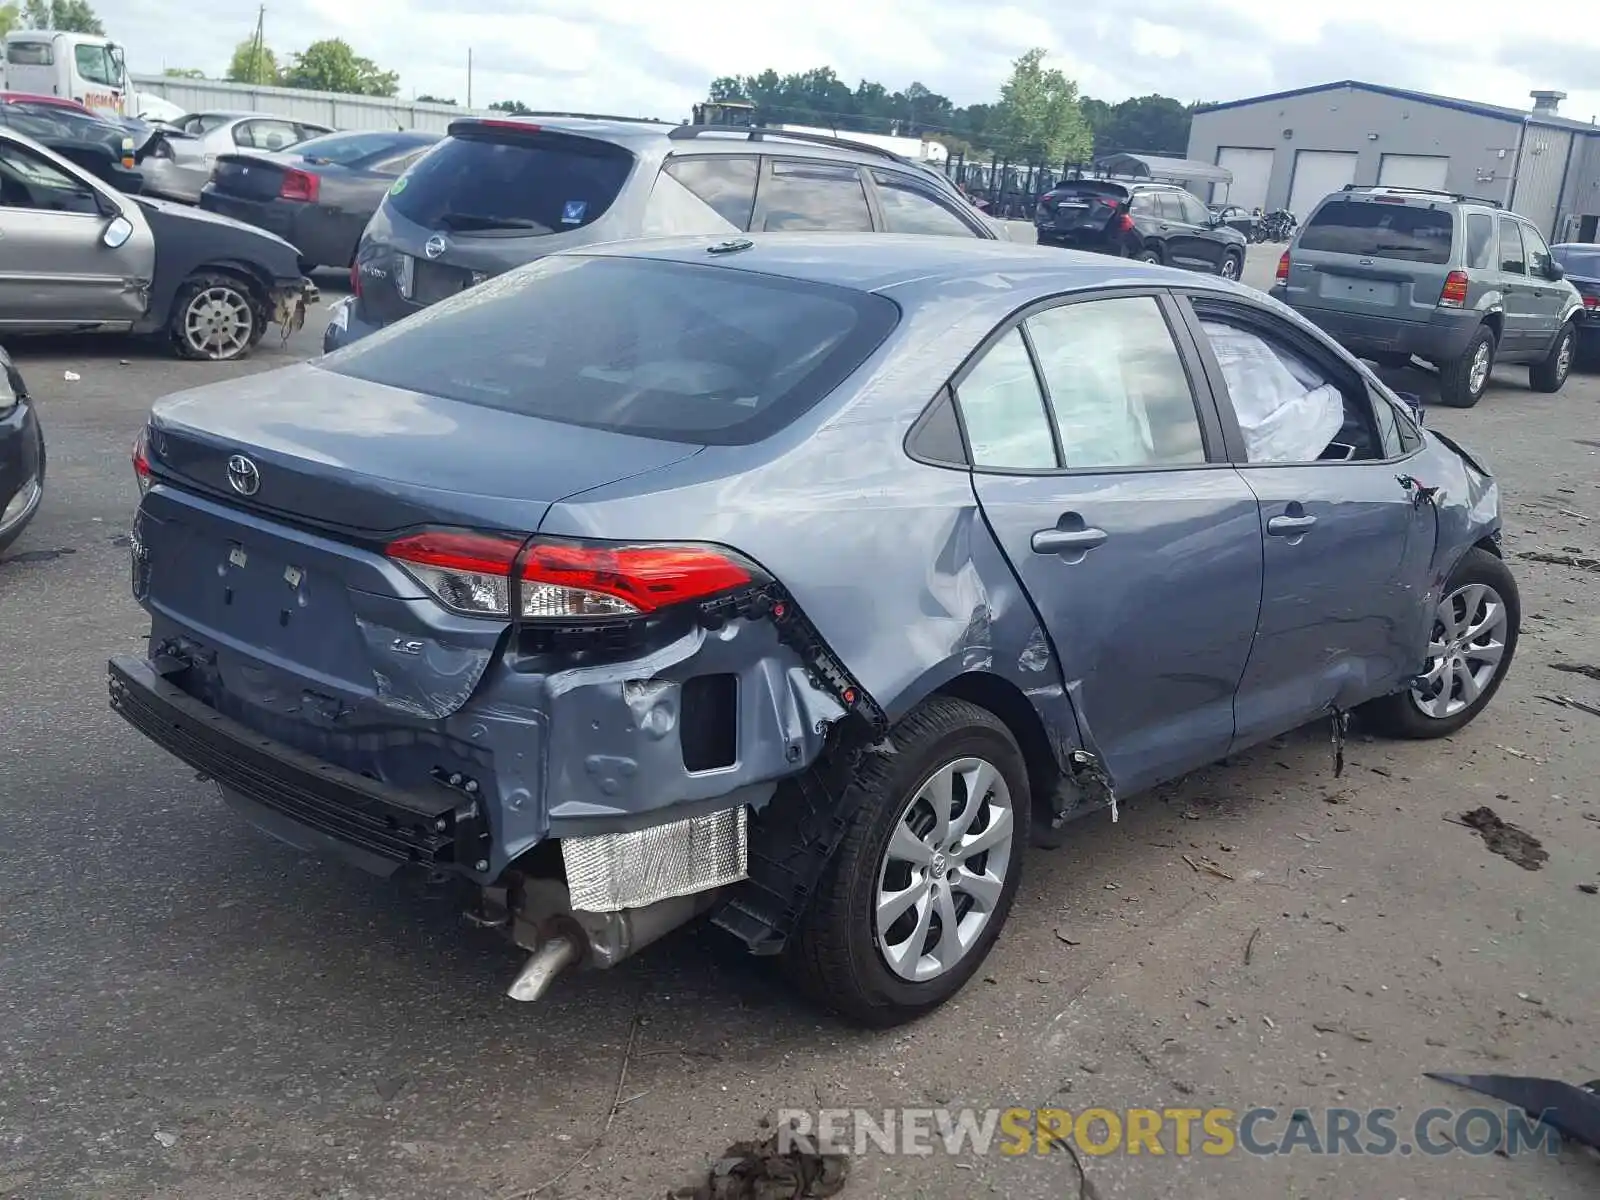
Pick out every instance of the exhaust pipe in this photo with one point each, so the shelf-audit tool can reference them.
(554, 956)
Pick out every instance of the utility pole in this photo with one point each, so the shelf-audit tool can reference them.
(469, 77)
(257, 45)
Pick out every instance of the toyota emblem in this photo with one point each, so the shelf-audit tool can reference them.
(243, 476)
(435, 246)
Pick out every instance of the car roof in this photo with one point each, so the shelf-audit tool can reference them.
(34, 98)
(915, 267)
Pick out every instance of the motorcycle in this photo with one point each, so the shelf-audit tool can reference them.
(1278, 226)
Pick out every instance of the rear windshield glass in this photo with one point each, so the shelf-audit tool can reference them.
(536, 184)
(667, 350)
(342, 149)
(1373, 230)
(1580, 260)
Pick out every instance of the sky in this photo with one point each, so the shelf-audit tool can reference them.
(656, 57)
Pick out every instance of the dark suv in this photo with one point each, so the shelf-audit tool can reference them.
(498, 194)
(1153, 222)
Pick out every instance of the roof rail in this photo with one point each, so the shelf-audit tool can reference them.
(578, 116)
(759, 133)
(1421, 191)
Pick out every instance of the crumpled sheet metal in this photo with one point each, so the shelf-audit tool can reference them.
(615, 871)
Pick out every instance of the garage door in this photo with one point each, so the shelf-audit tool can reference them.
(1316, 174)
(1252, 171)
(1414, 170)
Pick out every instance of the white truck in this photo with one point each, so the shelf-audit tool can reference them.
(84, 67)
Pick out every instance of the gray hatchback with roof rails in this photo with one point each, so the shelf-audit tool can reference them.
(501, 193)
(1459, 282)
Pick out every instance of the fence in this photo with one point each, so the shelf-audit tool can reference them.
(1012, 190)
(325, 108)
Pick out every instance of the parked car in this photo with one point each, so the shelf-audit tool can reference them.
(1580, 262)
(21, 455)
(1394, 273)
(182, 162)
(319, 195)
(109, 149)
(496, 194)
(785, 578)
(1152, 222)
(1242, 220)
(81, 257)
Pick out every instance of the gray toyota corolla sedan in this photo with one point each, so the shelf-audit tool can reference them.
(793, 580)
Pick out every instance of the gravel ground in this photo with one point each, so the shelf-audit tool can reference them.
(194, 1012)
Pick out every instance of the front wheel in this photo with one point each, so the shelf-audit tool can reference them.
(926, 872)
(1232, 266)
(1470, 647)
(1550, 373)
(215, 317)
(1149, 256)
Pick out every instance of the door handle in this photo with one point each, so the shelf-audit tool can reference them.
(1067, 541)
(1290, 526)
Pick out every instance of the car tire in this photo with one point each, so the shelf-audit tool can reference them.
(1150, 255)
(1463, 381)
(1443, 705)
(9, 537)
(1232, 266)
(216, 317)
(840, 955)
(1550, 373)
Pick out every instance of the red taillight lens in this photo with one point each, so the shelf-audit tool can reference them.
(1454, 294)
(300, 185)
(1591, 302)
(1125, 223)
(355, 279)
(471, 573)
(1283, 267)
(141, 460)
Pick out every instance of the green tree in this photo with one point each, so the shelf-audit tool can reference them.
(332, 66)
(253, 64)
(427, 99)
(69, 16)
(1039, 114)
(10, 18)
(1155, 124)
(515, 107)
(183, 73)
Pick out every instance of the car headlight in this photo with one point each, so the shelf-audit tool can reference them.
(8, 394)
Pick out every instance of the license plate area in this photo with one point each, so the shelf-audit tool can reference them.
(1381, 292)
(432, 282)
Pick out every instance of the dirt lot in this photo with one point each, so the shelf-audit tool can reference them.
(194, 1012)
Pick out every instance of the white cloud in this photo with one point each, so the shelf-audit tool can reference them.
(656, 57)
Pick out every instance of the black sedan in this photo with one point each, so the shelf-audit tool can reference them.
(111, 150)
(318, 195)
(1581, 262)
(1234, 217)
(21, 455)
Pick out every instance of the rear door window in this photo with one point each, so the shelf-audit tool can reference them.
(1513, 259)
(1371, 229)
(1004, 410)
(1480, 241)
(660, 349)
(30, 54)
(265, 135)
(908, 207)
(510, 182)
(800, 195)
(726, 183)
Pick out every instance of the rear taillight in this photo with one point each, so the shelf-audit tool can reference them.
(141, 460)
(355, 280)
(300, 185)
(1125, 223)
(1590, 303)
(1454, 294)
(1283, 267)
(471, 573)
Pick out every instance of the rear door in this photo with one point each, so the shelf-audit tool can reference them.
(1347, 546)
(55, 268)
(1202, 244)
(703, 193)
(1550, 296)
(1522, 320)
(1097, 465)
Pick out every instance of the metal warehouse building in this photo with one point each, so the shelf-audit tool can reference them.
(1290, 149)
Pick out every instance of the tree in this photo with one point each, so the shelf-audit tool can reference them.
(1157, 124)
(183, 73)
(515, 107)
(10, 18)
(253, 64)
(69, 16)
(427, 99)
(1039, 114)
(332, 66)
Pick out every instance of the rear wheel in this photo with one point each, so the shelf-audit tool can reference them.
(23, 505)
(1470, 647)
(1232, 265)
(925, 875)
(1550, 373)
(1151, 255)
(1463, 382)
(216, 317)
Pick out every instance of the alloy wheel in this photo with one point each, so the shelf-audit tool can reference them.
(1478, 376)
(944, 869)
(218, 323)
(1564, 357)
(1465, 651)
(1230, 267)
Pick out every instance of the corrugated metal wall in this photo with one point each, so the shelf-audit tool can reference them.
(325, 108)
(1541, 171)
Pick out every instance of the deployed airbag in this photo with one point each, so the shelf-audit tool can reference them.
(1287, 411)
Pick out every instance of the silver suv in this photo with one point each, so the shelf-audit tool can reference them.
(1394, 273)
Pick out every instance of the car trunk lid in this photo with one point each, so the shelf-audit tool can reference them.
(1083, 205)
(250, 176)
(1373, 255)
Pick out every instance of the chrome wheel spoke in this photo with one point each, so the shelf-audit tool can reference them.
(891, 907)
(984, 889)
(903, 956)
(1488, 655)
(979, 781)
(947, 951)
(997, 832)
(905, 846)
(1465, 653)
(939, 795)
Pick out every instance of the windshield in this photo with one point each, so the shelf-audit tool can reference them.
(1578, 260)
(657, 349)
(342, 149)
(535, 183)
(1377, 230)
(97, 64)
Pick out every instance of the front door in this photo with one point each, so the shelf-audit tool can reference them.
(1521, 319)
(55, 268)
(1186, 244)
(1096, 467)
(1348, 544)
(1549, 295)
